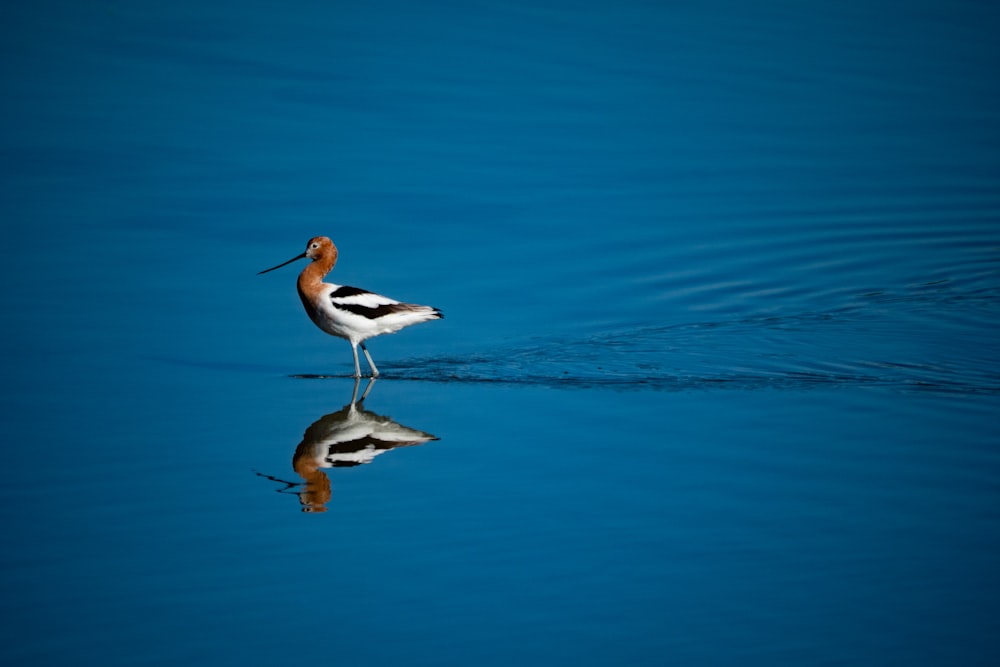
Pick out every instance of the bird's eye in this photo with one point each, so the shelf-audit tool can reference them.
(315, 245)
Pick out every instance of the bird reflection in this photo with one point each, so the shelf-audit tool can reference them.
(350, 436)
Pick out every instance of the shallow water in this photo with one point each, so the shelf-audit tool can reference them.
(718, 379)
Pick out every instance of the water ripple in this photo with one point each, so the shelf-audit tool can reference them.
(854, 346)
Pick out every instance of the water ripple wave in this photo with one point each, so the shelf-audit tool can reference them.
(880, 340)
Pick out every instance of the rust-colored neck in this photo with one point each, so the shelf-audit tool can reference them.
(312, 276)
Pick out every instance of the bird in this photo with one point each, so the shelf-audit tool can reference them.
(349, 312)
(351, 436)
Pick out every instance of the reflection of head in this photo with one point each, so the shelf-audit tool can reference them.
(316, 492)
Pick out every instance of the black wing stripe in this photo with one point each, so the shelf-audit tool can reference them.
(345, 291)
(371, 312)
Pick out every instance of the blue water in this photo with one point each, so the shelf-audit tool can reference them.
(718, 381)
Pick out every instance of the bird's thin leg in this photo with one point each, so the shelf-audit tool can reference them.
(357, 366)
(371, 383)
(354, 394)
(370, 362)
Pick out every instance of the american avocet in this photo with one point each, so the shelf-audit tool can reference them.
(349, 312)
(351, 436)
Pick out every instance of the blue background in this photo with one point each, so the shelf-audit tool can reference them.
(717, 383)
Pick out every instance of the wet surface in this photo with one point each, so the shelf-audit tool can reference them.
(718, 379)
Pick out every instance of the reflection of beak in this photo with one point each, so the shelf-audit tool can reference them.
(293, 259)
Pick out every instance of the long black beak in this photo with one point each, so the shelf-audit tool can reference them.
(293, 259)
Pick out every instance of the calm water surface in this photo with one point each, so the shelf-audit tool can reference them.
(718, 381)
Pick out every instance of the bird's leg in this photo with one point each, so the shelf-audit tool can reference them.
(357, 366)
(370, 362)
(371, 383)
